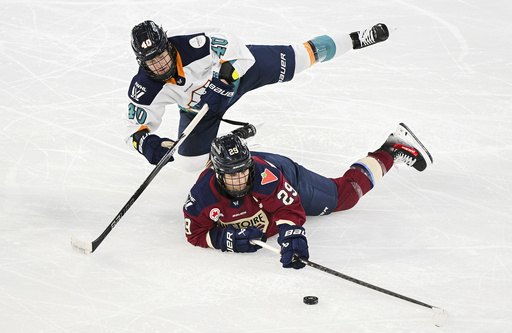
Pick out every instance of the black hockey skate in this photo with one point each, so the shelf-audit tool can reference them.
(405, 147)
(376, 34)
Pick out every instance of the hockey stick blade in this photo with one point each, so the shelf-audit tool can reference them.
(88, 248)
(440, 317)
(80, 246)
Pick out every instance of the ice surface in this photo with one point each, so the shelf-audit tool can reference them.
(443, 236)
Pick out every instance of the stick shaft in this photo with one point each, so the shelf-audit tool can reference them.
(362, 283)
(148, 180)
(346, 277)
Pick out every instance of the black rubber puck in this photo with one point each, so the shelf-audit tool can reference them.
(310, 300)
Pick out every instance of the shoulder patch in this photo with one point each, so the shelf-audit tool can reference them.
(267, 177)
(191, 47)
(198, 41)
(215, 214)
(142, 89)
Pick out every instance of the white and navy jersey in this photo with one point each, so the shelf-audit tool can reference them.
(199, 57)
(271, 202)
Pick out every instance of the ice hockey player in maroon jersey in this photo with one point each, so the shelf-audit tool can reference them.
(246, 195)
(215, 68)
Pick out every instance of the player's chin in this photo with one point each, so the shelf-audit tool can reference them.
(237, 188)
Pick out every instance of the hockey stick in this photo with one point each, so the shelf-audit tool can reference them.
(440, 315)
(89, 247)
(232, 122)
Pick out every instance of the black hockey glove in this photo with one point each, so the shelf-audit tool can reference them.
(245, 131)
(217, 96)
(292, 239)
(152, 146)
(239, 240)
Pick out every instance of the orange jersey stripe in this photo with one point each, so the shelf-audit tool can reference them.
(310, 52)
(179, 68)
(143, 128)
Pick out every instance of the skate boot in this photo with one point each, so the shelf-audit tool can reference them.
(376, 34)
(405, 147)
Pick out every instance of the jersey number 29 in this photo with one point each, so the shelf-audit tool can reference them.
(287, 195)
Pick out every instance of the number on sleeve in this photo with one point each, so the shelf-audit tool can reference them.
(187, 226)
(287, 195)
(137, 113)
(219, 46)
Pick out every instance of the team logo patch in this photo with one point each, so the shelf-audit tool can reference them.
(137, 91)
(197, 42)
(267, 177)
(190, 201)
(215, 214)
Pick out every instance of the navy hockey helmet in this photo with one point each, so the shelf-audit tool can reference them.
(149, 41)
(230, 158)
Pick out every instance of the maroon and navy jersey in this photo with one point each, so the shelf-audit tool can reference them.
(271, 202)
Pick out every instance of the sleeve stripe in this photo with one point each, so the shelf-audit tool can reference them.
(281, 222)
(209, 241)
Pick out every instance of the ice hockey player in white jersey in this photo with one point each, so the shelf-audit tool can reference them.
(215, 68)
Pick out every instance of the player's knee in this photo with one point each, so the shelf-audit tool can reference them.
(349, 193)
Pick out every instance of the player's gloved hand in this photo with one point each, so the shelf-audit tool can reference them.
(239, 240)
(245, 131)
(154, 147)
(217, 96)
(292, 239)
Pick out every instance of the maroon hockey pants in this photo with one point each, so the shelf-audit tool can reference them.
(355, 183)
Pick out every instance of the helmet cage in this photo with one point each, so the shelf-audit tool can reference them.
(148, 42)
(227, 186)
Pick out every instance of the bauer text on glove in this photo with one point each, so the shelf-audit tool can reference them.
(217, 96)
(292, 239)
(239, 240)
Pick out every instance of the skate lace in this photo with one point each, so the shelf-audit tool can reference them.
(367, 37)
(400, 157)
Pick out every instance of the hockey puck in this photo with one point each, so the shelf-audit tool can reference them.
(310, 300)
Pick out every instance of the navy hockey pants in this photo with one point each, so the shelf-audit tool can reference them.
(273, 64)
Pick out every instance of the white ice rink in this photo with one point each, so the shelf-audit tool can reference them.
(443, 237)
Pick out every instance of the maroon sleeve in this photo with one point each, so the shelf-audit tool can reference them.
(198, 208)
(197, 228)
